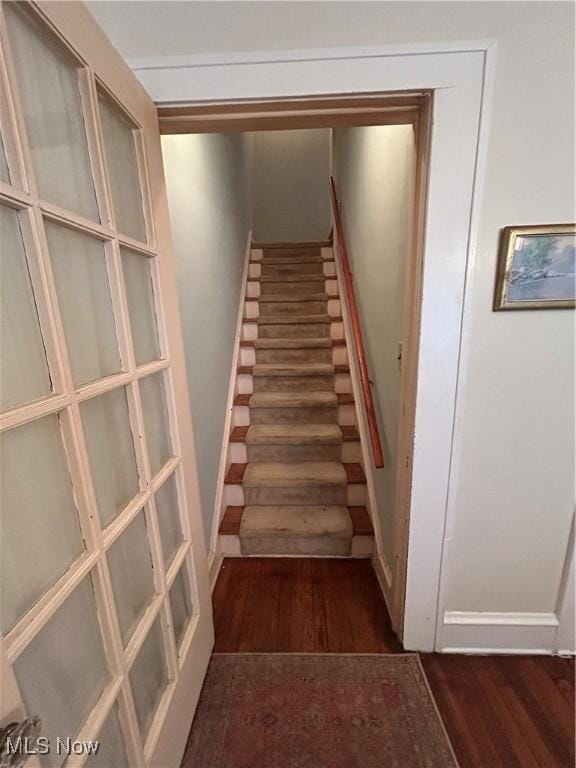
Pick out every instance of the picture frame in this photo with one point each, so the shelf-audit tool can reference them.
(536, 268)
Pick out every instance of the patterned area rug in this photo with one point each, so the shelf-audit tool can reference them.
(317, 711)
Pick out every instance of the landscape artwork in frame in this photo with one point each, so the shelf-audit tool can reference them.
(537, 268)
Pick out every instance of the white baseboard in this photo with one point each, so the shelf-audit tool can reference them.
(497, 633)
(218, 501)
(384, 576)
(215, 560)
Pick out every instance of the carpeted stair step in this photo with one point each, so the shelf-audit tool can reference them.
(292, 251)
(293, 408)
(296, 530)
(293, 377)
(320, 296)
(284, 260)
(296, 320)
(304, 269)
(232, 518)
(292, 343)
(271, 307)
(294, 442)
(286, 280)
(292, 350)
(297, 288)
(294, 355)
(349, 433)
(310, 482)
(285, 328)
(296, 252)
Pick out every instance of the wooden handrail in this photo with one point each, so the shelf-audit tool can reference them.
(357, 332)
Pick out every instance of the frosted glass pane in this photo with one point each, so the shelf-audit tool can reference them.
(140, 294)
(50, 96)
(180, 603)
(111, 451)
(83, 290)
(62, 672)
(153, 395)
(4, 173)
(40, 528)
(169, 519)
(24, 370)
(149, 678)
(112, 751)
(131, 573)
(122, 165)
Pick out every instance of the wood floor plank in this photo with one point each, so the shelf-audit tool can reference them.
(456, 716)
(262, 634)
(340, 638)
(550, 697)
(319, 603)
(303, 637)
(228, 632)
(508, 735)
(376, 613)
(252, 615)
(545, 731)
(357, 603)
(284, 619)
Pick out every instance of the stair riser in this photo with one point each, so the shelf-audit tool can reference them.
(293, 289)
(290, 453)
(291, 270)
(350, 496)
(293, 383)
(294, 355)
(293, 308)
(315, 415)
(291, 495)
(291, 253)
(290, 260)
(302, 331)
(317, 546)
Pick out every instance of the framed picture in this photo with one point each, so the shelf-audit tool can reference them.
(537, 268)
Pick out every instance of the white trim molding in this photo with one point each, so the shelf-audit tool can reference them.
(215, 560)
(565, 641)
(168, 78)
(505, 633)
(219, 507)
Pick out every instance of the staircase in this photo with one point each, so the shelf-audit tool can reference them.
(295, 483)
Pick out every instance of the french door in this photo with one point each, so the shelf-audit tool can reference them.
(105, 611)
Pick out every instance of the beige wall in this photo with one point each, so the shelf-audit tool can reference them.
(208, 194)
(290, 194)
(373, 170)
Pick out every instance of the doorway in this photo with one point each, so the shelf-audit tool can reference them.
(326, 124)
(461, 78)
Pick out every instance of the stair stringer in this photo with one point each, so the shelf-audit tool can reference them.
(215, 554)
(383, 569)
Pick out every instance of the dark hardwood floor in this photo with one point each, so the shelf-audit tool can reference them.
(500, 711)
(300, 605)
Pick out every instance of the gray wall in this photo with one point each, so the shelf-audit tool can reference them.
(208, 194)
(373, 169)
(290, 193)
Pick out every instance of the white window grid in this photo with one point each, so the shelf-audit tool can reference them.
(22, 195)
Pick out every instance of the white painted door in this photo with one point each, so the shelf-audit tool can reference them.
(105, 608)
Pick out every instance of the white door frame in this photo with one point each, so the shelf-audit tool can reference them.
(461, 76)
